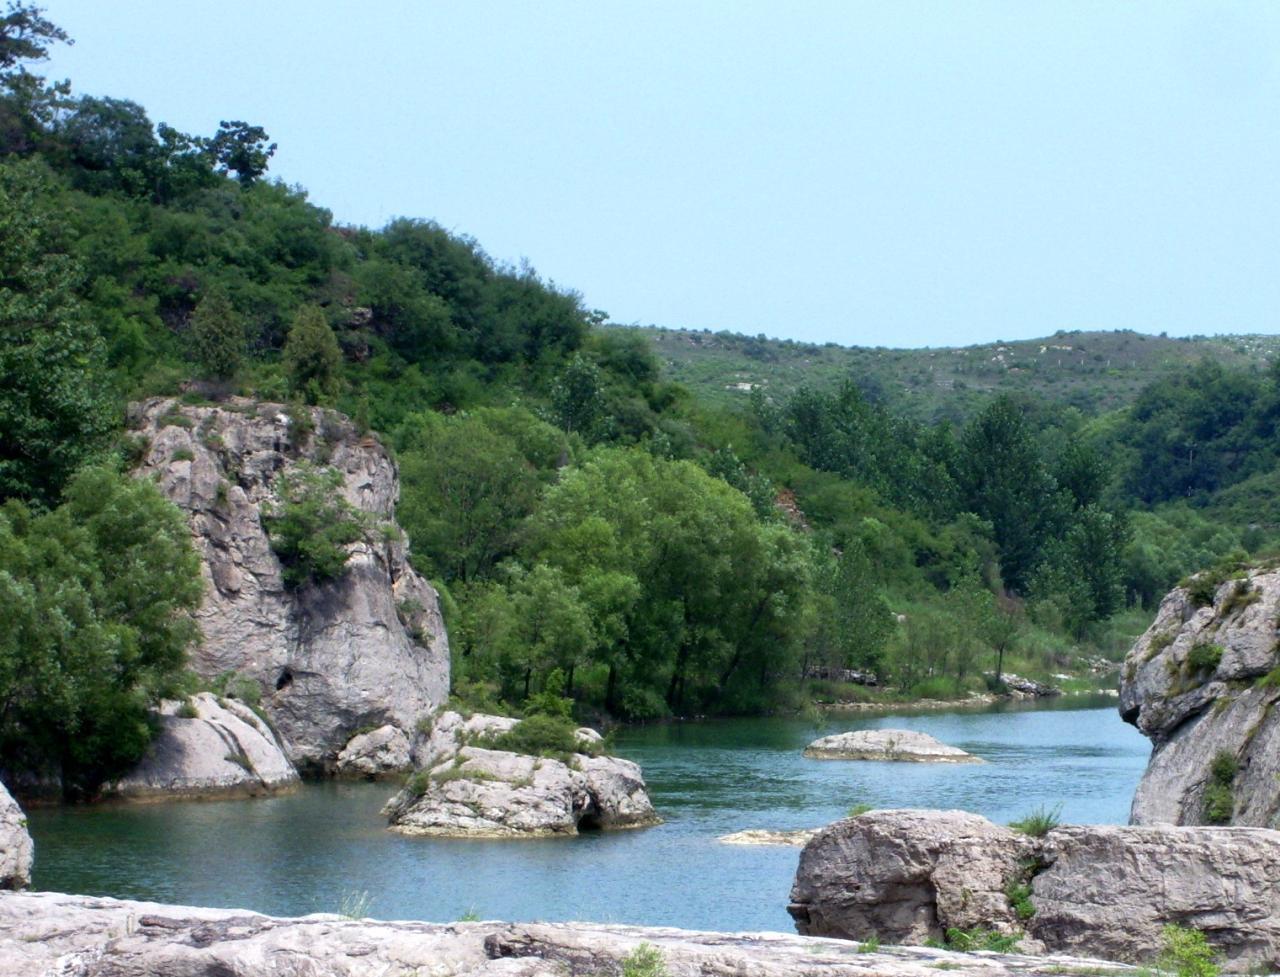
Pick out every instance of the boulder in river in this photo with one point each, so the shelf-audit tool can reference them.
(465, 789)
(15, 844)
(1203, 683)
(208, 747)
(760, 836)
(44, 933)
(381, 752)
(905, 876)
(887, 744)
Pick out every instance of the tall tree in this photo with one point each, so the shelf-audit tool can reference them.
(56, 411)
(312, 357)
(217, 336)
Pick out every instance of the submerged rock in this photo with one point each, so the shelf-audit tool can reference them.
(910, 876)
(208, 747)
(365, 650)
(15, 844)
(887, 744)
(46, 933)
(464, 789)
(758, 836)
(1196, 683)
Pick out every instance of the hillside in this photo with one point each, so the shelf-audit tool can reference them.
(1090, 370)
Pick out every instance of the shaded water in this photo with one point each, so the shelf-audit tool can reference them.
(308, 851)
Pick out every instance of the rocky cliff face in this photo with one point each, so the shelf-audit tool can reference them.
(332, 660)
(15, 844)
(910, 876)
(1202, 683)
(208, 748)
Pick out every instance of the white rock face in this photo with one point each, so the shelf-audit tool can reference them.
(43, 934)
(1192, 684)
(365, 650)
(909, 876)
(16, 851)
(887, 744)
(382, 752)
(470, 791)
(226, 750)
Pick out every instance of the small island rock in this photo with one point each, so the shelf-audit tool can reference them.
(758, 836)
(208, 747)
(464, 789)
(887, 744)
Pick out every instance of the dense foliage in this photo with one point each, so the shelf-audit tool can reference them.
(583, 516)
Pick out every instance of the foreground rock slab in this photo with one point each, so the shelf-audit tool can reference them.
(49, 933)
(1203, 683)
(909, 876)
(15, 844)
(903, 745)
(465, 789)
(206, 748)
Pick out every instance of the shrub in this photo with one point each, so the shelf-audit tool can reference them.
(1219, 799)
(1039, 822)
(1186, 953)
(182, 454)
(233, 685)
(967, 941)
(188, 710)
(858, 810)
(1242, 595)
(646, 960)
(547, 736)
(1204, 657)
(311, 525)
(870, 945)
(1019, 896)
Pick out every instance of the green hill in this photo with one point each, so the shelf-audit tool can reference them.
(1093, 371)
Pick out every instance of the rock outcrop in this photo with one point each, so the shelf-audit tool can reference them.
(48, 933)
(464, 789)
(1203, 683)
(910, 876)
(887, 744)
(382, 752)
(365, 650)
(208, 747)
(15, 844)
(762, 836)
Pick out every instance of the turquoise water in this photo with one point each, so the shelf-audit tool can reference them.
(312, 850)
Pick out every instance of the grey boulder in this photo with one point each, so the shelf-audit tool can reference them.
(16, 851)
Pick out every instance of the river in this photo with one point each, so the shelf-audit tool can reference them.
(326, 846)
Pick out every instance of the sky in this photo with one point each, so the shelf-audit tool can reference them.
(897, 173)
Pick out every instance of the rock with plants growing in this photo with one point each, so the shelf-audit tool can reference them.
(498, 777)
(309, 594)
(907, 876)
(901, 745)
(1203, 683)
(208, 747)
(15, 844)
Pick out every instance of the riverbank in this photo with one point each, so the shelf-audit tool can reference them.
(43, 933)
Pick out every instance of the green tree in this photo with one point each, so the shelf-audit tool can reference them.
(98, 596)
(311, 525)
(242, 149)
(577, 398)
(312, 357)
(217, 336)
(56, 411)
(28, 106)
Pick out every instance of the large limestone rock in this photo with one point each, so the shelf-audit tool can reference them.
(382, 752)
(223, 750)
(464, 789)
(366, 650)
(1194, 683)
(909, 876)
(15, 844)
(887, 744)
(47, 933)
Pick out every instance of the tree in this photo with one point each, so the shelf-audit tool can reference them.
(56, 412)
(311, 525)
(312, 357)
(98, 596)
(217, 336)
(28, 107)
(242, 149)
(577, 398)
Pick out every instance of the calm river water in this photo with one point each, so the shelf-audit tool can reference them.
(309, 851)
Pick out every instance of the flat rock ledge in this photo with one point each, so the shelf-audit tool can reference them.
(759, 836)
(462, 789)
(905, 876)
(49, 933)
(902, 745)
(208, 748)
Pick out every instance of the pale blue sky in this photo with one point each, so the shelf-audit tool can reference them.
(896, 173)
